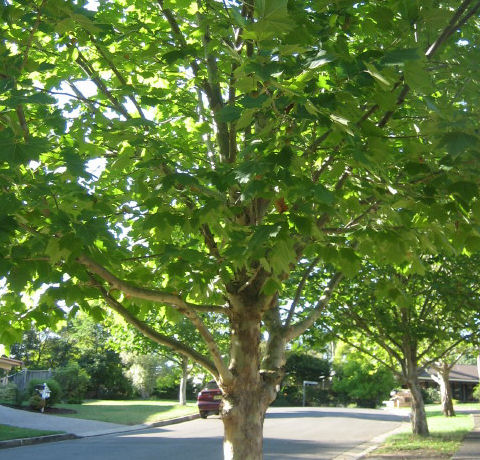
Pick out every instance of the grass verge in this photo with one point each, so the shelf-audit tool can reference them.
(8, 432)
(446, 435)
(129, 412)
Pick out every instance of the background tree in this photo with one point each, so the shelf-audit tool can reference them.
(359, 380)
(440, 372)
(414, 319)
(191, 154)
(302, 365)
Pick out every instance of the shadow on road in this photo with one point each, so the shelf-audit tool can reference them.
(277, 449)
(334, 413)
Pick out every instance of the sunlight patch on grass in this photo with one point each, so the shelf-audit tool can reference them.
(446, 435)
(129, 412)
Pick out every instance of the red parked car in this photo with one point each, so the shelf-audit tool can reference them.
(209, 400)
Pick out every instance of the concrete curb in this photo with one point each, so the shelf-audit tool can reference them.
(63, 437)
(360, 451)
(173, 421)
(36, 440)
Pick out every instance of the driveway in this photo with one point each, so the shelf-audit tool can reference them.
(289, 433)
(38, 421)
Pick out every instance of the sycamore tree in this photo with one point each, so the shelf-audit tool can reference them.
(192, 155)
(440, 373)
(410, 322)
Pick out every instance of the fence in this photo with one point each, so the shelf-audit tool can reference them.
(22, 378)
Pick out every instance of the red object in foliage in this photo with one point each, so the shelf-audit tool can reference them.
(209, 400)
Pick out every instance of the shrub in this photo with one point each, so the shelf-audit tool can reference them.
(431, 395)
(360, 382)
(36, 402)
(73, 381)
(9, 393)
(476, 392)
(53, 385)
(107, 380)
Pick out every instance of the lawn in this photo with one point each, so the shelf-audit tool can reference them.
(129, 412)
(446, 435)
(11, 432)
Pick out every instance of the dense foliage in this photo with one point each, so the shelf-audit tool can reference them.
(199, 155)
(361, 382)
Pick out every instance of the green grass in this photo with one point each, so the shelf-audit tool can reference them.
(11, 432)
(446, 435)
(129, 412)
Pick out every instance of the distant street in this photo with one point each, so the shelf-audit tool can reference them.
(290, 433)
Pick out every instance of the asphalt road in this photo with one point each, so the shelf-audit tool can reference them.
(289, 433)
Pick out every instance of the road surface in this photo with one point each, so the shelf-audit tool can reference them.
(289, 433)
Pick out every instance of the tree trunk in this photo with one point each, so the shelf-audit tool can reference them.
(410, 369)
(478, 367)
(246, 399)
(441, 377)
(447, 400)
(418, 416)
(182, 393)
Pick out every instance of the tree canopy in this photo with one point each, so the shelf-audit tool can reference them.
(195, 154)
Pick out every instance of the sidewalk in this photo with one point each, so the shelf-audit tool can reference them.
(73, 427)
(471, 444)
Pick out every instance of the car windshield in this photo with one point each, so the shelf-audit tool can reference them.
(212, 385)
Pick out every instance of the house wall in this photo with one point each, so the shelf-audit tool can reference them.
(461, 391)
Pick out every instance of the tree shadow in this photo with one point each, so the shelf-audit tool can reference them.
(340, 414)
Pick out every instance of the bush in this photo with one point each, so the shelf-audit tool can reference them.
(9, 394)
(476, 392)
(107, 380)
(36, 402)
(167, 387)
(73, 381)
(358, 381)
(55, 391)
(431, 395)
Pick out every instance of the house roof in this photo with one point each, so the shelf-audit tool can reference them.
(459, 373)
(8, 363)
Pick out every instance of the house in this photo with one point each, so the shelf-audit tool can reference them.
(463, 378)
(9, 363)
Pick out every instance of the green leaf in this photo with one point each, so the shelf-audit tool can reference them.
(271, 286)
(457, 142)
(378, 76)
(55, 252)
(273, 19)
(253, 102)
(400, 56)
(321, 59)
(282, 256)
(228, 113)
(417, 78)
(467, 190)
(322, 194)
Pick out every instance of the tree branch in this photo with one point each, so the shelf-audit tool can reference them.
(154, 335)
(299, 290)
(87, 68)
(299, 328)
(117, 73)
(146, 294)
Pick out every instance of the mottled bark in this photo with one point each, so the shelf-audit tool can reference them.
(441, 377)
(243, 408)
(418, 414)
(253, 387)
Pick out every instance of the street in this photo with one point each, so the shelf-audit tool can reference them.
(289, 433)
